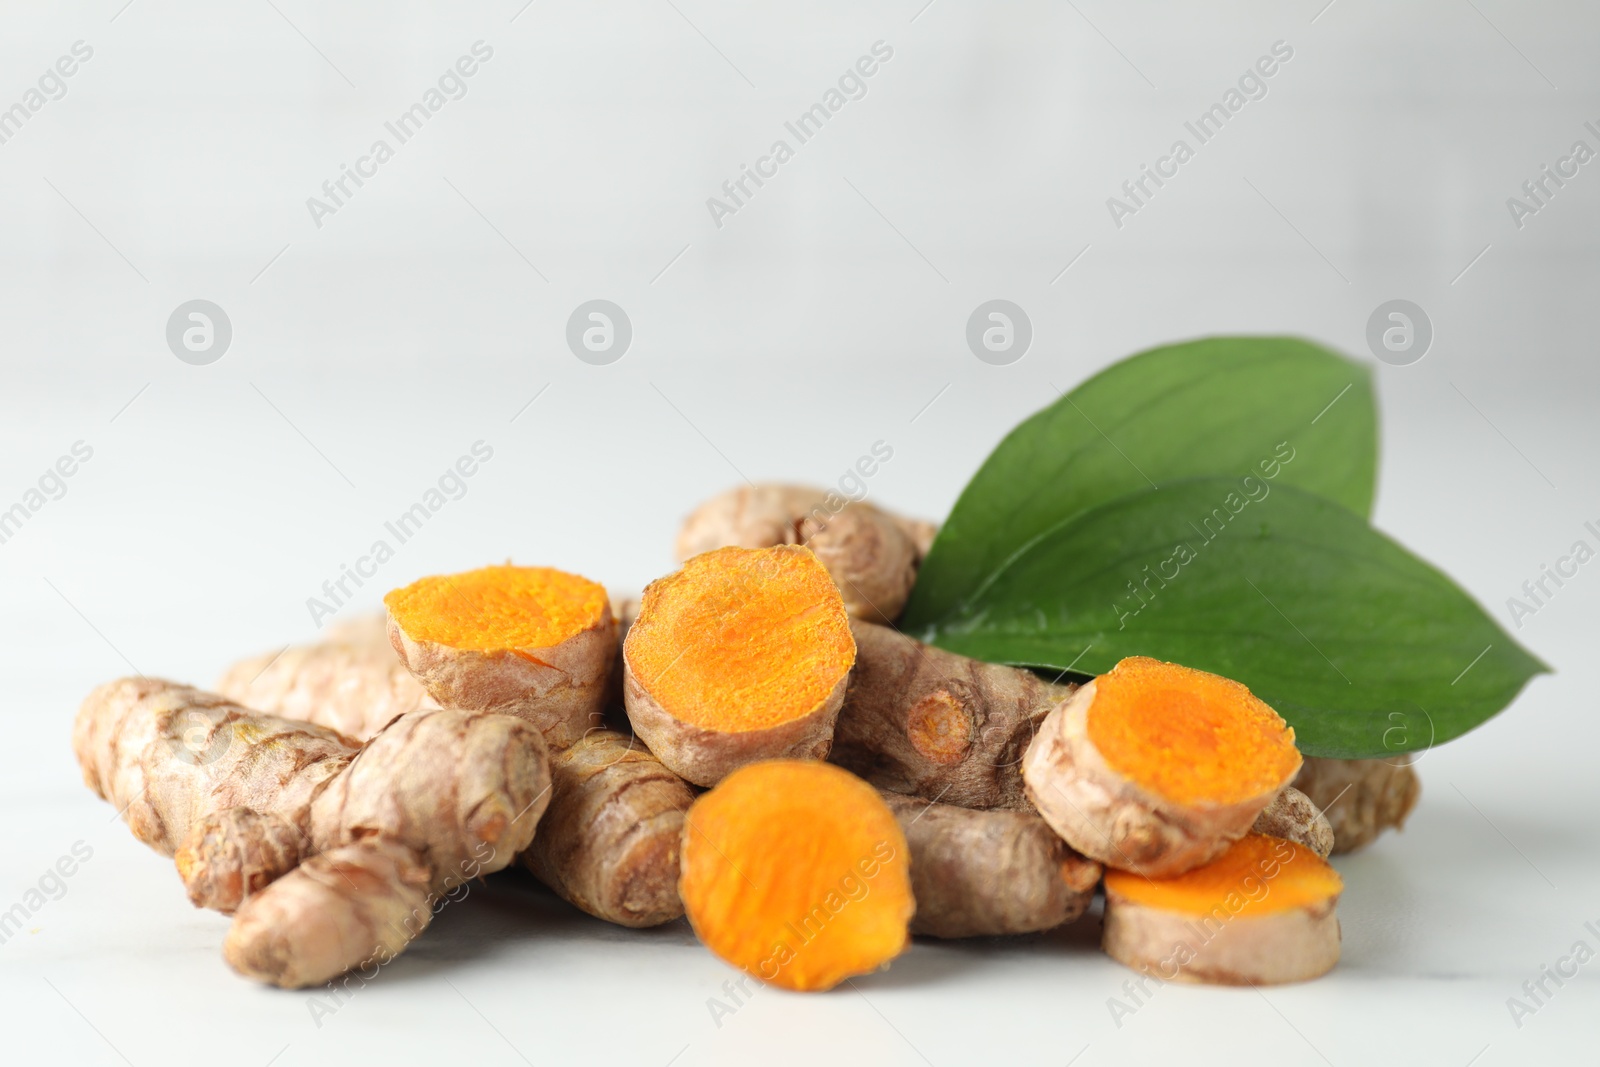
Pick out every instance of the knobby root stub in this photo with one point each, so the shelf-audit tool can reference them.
(1293, 816)
(1361, 797)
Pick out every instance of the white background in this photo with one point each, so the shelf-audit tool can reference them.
(369, 353)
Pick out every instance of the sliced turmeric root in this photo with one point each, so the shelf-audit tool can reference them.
(533, 642)
(1261, 913)
(1157, 768)
(742, 655)
(797, 873)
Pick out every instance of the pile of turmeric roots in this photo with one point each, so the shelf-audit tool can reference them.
(750, 743)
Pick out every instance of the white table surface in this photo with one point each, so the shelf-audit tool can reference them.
(826, 315)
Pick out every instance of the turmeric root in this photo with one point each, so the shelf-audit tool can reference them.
(1261, 913)
(350, 682)
(988, 873)
(1157, 768)
(610, 837)
(872, 555)
(533, 642)
(325, 851)
(1361, 797)
(354, 906)
(926, 722)
(797, 873)
(741, 655)
(610, 840)
(1292, 816)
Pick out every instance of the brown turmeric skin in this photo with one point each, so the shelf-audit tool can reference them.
(325, 851)
(1361, 797)
(610, 840)
(989, 873)
(1293, 817)
(929, 723)
(350, 681)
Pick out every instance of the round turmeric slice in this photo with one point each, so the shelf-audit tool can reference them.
(742, 655)
(1263, 912)
(1157, 768)
(797, 873)
(533, 642)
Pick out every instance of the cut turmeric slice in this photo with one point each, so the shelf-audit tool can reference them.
(741, 655)
(797, 873)
(1263, 912)
(1158, 768)
(533, 642)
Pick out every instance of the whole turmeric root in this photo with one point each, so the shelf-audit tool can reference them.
(741, 655)
(610, 840)
(350, 682)
(533, 642)
(989, 873)
(328, 853)
(1361, 797)
(926, 722)
(872, 555)
(1156, 768)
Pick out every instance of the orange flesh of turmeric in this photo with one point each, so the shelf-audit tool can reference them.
(742, 639)
(1188, 736)
(797, 873)
(498, 608)
(1261, 874)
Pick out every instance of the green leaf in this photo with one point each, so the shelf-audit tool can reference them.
(1365, 649)
(1219, 406)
